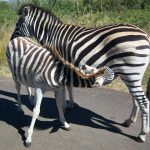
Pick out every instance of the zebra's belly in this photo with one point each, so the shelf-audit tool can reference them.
(36, 80)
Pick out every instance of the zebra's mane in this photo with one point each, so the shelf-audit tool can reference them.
(80, 72)
(33, 6)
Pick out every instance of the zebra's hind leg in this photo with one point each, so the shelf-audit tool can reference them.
(36, 111)
(18, 87)
(139, 96)
(133, 116)
(71, 103)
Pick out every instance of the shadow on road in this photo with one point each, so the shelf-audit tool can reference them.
(79, 115)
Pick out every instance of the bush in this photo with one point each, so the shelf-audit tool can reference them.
(7, 15)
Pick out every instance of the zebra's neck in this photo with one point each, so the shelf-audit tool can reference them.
(16, 33)
(21, 30)
(47, 28)
(42, 24)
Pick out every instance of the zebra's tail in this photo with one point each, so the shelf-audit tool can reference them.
(80, 71)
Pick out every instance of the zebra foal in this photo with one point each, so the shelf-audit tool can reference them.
(37, 67)
(21, 30)
(124, 48)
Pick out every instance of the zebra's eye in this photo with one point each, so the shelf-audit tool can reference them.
(84, 67)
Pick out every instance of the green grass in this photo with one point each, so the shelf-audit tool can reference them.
(5, 35)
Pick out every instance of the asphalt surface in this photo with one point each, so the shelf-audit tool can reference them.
(95, 123)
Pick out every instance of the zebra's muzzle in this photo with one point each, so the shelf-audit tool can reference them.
(104, 79)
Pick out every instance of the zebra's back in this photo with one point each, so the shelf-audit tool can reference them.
(30, 63)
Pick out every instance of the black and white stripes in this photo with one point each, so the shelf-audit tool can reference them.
(32, 64)
(124, 48)
(37, 67)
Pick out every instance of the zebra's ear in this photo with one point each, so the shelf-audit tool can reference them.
(25, 11)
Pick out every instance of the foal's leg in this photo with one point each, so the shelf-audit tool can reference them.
(59, 96)
(36, 111)
(30, 95)
(64, 103)
(18, 87)
(71, 103)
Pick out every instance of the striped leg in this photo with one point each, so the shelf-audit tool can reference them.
(59, 96)
(71, 101)
(133, 116)
(144, 107)
(140, 98)
(64, 103)
(30, 95)
(18, 87)
(36, 111)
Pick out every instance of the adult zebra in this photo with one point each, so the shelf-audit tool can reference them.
(124, 48)
(49, 73)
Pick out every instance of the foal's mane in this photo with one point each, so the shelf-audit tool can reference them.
(33, 7)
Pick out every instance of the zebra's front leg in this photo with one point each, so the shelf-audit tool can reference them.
(59, 102)
(36, 111)
(18, 87)
(31, 99)
(133, 116)
(71, 103)
(64, 103)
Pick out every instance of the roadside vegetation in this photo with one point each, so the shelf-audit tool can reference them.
(89, 13)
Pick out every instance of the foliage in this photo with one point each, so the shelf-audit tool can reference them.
(7, 14)
(7, 22)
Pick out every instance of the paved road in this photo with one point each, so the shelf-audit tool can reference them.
(95, 123)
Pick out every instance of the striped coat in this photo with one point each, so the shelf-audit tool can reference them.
(125, 48)
(35, 66)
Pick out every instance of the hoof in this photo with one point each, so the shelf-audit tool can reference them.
(141, 138)
(66, 126)
(27, 144)
(127, 123)
(67, 129)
